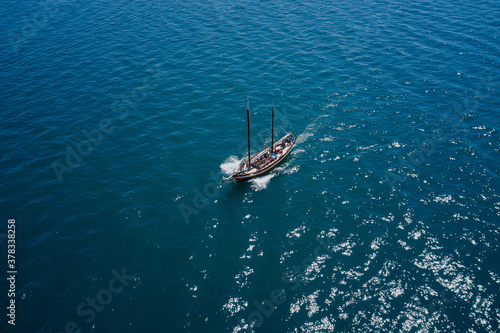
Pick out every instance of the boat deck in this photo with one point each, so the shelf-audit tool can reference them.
(264, 161)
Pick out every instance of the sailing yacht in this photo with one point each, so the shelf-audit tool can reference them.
(266, 159)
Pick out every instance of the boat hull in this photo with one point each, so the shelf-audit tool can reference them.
(256, 172)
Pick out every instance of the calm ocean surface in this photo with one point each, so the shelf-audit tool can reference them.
(118, 119)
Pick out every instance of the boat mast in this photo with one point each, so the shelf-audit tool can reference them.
(272, 131)
(248, 122)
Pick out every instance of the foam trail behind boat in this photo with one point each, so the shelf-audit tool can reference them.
(260, 183)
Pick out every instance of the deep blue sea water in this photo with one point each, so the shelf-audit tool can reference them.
(118, 119)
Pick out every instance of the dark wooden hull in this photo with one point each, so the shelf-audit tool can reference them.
(241, 176)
